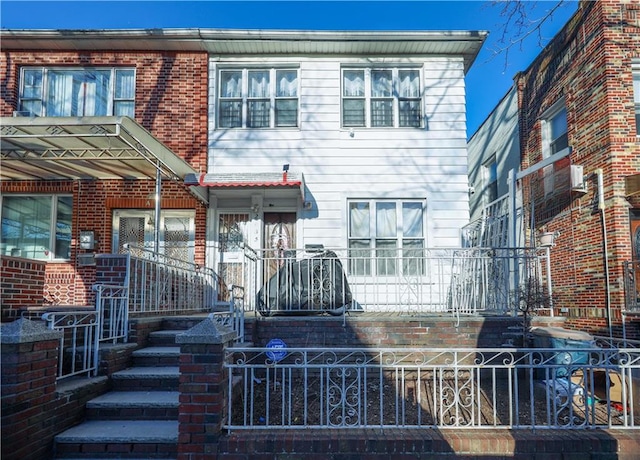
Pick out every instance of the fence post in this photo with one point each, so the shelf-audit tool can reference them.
(29, 371)
(203, 389)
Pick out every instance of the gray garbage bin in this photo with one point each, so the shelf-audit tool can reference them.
(563, 339)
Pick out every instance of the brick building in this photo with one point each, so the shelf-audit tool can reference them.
(578, 131)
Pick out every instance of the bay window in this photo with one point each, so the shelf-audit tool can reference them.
(53, 92)
(36, 226)
(388, 97)
(386, 237)
(258, 98)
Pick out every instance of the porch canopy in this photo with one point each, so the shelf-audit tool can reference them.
(89, 148)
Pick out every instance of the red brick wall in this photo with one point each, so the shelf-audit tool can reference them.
(22, 285)
(589, 64)
(171, 102)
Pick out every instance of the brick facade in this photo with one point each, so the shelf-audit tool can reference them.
(589, 65)
(173, 111)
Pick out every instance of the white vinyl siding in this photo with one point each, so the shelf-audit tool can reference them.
(427, 163)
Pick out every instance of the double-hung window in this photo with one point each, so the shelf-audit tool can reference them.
(258, 98)
(554, 134)
(36, 226)
(386, 97)
(490, 173)
(84, 92)
(386, 237)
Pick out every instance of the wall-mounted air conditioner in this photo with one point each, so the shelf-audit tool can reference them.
(578, 183)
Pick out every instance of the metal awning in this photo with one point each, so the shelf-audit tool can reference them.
(75, 148)
(283, 181)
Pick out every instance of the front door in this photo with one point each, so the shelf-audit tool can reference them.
(279, 239)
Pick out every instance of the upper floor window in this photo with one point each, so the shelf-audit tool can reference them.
(490, 173)
(636, 96)
(388, 97)
(86, 92)
(258, 98)
(386, 237)
(554, 134)
(36, 226)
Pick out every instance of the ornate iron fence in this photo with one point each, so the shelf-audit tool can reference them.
(438, 388)
(457, 280)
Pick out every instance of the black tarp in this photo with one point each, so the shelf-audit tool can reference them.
(314, 285)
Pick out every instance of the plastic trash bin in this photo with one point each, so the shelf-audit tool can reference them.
(563, 339)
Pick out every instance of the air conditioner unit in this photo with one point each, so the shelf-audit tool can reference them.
(577, 179)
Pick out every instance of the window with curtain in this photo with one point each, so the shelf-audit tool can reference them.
(388, 97)
(258, 98)
(36, 226)
(86, 92)
(386, 237)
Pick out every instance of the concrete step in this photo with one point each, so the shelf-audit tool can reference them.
(134, 405)
(147, 378)
(164, 337)
(119, 439)
(156, 356)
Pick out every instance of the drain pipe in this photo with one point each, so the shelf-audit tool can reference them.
(601, 208)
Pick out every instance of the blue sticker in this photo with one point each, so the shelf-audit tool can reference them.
(280, 346)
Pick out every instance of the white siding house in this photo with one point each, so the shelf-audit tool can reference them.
(374, 136)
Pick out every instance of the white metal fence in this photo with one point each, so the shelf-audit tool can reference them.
(78, 350)
(162, 284)
(439, 388)
(459, 280)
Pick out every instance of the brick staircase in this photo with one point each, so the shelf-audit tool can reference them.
(138, 419)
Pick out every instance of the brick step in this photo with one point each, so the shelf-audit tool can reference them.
(165, 338)
(156, 356)
(134, 405)
(119, 439)
(147, 378)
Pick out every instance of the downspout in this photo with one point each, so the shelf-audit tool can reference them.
(601, 208)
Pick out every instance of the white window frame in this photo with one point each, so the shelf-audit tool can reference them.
(547, 124)
(244, 99)
(41, 252)
(36, 104)
(149, 221)
(360, 267)
(490, 179)
(369, 98)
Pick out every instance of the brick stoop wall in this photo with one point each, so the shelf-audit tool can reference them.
(372, 444)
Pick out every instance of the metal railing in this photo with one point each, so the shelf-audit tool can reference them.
(113, 312)
(459, 280)
(234, 317)
(162, 284)
(439, 388)
(78, 351)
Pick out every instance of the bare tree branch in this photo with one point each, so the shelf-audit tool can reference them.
(522, 21)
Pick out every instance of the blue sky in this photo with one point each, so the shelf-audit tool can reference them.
(488, 80)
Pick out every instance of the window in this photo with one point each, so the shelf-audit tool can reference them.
(391, 233)
(381, 98)
(490, 173)
(136, 227)
(89, 92)
(258, 98)
(36, 226)
(636, 96)
(554, 134)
